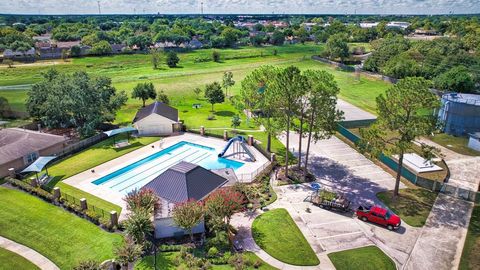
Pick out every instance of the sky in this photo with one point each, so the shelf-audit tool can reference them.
(240, 6)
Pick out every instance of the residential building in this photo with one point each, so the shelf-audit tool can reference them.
(157, 119)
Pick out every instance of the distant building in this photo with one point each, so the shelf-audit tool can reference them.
(402, 25)
(156, 119)
(424, 32)
(118, 48)
(182, 182)
(20, 147)
(368, 24)
(20, 55)
(195, 44)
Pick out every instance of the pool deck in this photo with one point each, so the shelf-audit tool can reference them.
(84, 179)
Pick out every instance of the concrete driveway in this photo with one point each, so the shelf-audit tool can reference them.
(341, 168)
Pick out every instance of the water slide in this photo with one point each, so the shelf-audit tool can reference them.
(242, 141)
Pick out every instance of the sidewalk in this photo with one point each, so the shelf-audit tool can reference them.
(28, 253)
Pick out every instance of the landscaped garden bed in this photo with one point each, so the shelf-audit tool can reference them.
(365, 258)
(276, 233)
(295, 176)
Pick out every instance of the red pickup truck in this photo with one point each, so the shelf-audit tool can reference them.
(379, 215)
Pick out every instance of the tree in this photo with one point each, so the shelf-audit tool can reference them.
(139, 226)
(223, 203)
(101, 48)
(172, 59)
(214, 93)
(401, 66)
(5, 108)
(75, 51)
(143, 200)
(288, 83)
(278, 38)
(258, 97)
(74, 100)
(64, 55)
(156, 57)
(8, 62)
(401, 119)
(230, 36)
(458, 79)
(144, 91)
(197, 91)
(128, 253)
(187, 215)
(236, 120)
(302, 35)
(227, 81)
(322, 115)
(162, 97)
(337, 47)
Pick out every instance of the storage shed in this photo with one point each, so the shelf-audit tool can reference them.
(156, 119)
(460, 113)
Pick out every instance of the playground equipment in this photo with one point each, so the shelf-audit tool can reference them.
(241, 143)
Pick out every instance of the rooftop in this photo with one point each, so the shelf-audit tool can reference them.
(462, 98)
(157, 108)
(16, 143)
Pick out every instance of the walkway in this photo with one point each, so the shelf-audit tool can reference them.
(441, 243)
(28, 253)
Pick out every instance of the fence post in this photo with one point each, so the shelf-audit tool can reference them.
(250, 140)
(113, 218)
(83, 204)
(33, 182)
(56, 193)
(202, 130)
(434, 185)
(225, 135)
(272, 157)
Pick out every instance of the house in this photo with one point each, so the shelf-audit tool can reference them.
(368, 24)
(20, 55)
(195, 44)
(117, 48)
(402, 25)
(156, 119)
(182, 182)
(20, 147)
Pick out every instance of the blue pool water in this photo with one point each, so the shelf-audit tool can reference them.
(139, 173)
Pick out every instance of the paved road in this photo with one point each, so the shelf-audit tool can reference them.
(28, 253)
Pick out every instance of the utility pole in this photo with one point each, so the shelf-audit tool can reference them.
(201, 8)
(99, 10)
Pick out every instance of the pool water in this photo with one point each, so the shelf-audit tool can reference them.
(138, 174)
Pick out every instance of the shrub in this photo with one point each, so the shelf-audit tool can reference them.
(93, 216)
(87, 265)
(219, 241)
(257, 264)
(172, 59)
(216, 56)
(237, 261)
(170, 248)
(212, 252)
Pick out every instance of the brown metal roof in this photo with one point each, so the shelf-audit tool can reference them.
(185, 181)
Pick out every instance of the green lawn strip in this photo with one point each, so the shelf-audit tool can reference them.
(413, 205)
(277, 234)
(456, 144)
(365, 258)
(55, 233)
(165, 262)
(10, 260)
(470, 256)
(89, 158)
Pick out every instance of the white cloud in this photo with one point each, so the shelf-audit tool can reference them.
(240, 6)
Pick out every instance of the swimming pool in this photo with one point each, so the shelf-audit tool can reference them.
(139, 173)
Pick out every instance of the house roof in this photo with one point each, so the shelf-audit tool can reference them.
(185, 181)
(157, 108)
(16, 143)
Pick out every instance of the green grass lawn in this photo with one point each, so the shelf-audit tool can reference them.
(178, 83)
(89, 158)
(365, 258)
(277, 234)
(413, 205)
(10, 260)
(58, 235)
(470, 257)
(456, 144)
(165, 262)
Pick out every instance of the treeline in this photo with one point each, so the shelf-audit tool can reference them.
(451, 63)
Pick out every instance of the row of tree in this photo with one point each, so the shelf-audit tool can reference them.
(283, 99)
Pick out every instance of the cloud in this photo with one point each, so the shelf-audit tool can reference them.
(240, 6)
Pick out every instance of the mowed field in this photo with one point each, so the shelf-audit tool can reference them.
(178, 83)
